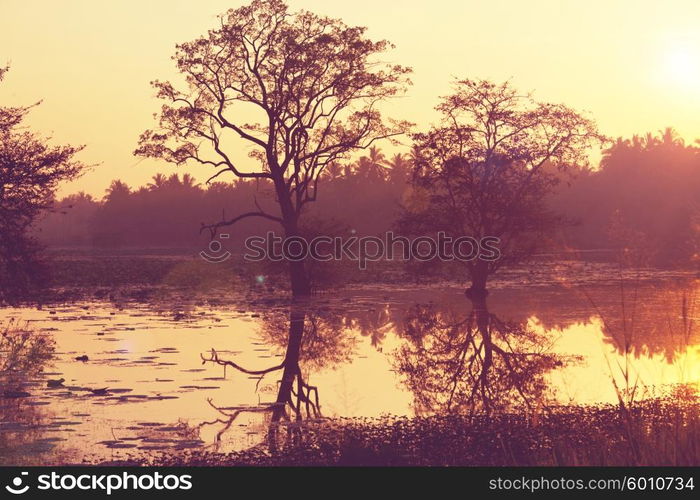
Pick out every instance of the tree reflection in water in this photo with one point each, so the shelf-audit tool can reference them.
(473, 363)
(312, 339)
(451, 361)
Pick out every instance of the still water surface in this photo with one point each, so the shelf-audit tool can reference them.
(368, 352)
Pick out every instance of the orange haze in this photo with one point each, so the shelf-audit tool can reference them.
(635, 65)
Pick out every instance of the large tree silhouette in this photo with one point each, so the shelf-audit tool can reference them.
(313, 84)
(490, 163)
(30, 171)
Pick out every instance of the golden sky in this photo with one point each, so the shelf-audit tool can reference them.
(634, 65)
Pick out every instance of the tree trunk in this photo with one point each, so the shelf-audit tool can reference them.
(299, 279)
(479, 275)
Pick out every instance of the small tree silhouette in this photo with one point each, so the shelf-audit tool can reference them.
(489, 165)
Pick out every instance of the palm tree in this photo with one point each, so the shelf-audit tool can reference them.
(173, 181)
(117, 190)
(157, 183)
(650, 140)
(669, 137)
(638, 143)
(188, 181)
(334, 171)
(372, 166)
(399, 168)
(618, 147)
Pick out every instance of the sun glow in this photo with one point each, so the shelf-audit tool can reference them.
(682, 66)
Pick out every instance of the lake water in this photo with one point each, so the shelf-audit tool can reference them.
(368, 352)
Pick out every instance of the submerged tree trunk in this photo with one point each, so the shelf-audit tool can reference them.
(481, 314)
(291, 362)
(482, 319)
(291, 373)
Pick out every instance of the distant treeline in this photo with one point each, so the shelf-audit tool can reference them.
(365, 196)
(644, 196)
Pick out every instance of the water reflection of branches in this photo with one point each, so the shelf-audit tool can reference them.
(315, 339)
(376, 322)
(662, 322)
(294, 392)
(229, 417)
(474, 363)
(326, 343)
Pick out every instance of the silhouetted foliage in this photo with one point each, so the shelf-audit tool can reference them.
(644, 197)
(30, 171)
(167, 213)
(486, 170)
(312, 84)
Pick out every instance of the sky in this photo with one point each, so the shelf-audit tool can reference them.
(633, 65)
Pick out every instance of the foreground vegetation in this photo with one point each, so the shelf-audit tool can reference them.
(658, 432)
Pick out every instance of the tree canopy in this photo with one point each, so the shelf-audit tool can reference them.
(313, 85)
(489, 164)
(30, 172)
